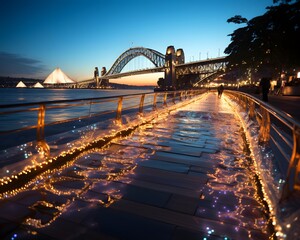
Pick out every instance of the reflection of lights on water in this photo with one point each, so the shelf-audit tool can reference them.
(209, 231)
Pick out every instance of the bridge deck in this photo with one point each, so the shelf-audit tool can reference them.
(187, 177)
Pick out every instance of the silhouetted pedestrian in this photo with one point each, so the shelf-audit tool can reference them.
(265, 87)
(220, 90)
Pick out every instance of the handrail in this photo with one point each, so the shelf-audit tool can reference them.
(50, 113)
(67, 100)
(288, 143)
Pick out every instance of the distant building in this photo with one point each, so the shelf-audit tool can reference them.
(58, 77)
(38, 85)
(21, 85)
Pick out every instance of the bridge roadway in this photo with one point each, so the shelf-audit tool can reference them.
(186, 177)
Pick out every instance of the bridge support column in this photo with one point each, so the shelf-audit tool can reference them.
(172, 58)
(170, 76)
(96, 77)
(104, 82)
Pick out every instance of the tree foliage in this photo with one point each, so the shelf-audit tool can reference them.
(237, 19)
(284, 1)
(269, 43)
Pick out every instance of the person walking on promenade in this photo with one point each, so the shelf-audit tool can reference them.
(265, 87)
(220, 90)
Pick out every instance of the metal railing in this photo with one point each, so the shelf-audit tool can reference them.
(21, 123)
(70, 127)
(281, 131)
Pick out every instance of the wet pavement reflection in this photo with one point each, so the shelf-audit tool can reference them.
(187, 175)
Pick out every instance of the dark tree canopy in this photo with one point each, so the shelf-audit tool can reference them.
(284, 1)
(237, 19)
(268, 44)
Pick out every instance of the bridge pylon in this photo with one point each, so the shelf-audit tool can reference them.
(172, 59)
(104, 82)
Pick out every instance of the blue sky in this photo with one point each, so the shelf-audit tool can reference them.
(77, 35)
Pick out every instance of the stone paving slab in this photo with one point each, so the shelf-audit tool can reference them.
(167, 188)
(187, 177)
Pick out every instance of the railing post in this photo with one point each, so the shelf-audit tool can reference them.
(188, 94)
(42, 145)
(119, 109)
(264, 131)
(293, 174)
(165, 99)
(192, 93)
(296, 156)
(40, 134)
(154, 100)
(174, 97)
(251, 112)
(142, 103)
(240, 100)
(244, 102)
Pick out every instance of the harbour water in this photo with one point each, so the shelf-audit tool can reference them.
(27, 117)
(28, 95)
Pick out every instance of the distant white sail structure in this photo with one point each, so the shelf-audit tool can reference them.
(38, 85)
(58, 76)
(21, 85)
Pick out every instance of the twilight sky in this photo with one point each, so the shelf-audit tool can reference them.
(36, 36)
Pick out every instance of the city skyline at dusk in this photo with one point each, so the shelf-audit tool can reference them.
(77, 36)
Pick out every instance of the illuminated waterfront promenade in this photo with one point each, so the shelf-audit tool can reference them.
(187, 175)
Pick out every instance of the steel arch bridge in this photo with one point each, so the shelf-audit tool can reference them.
(157, 58)
(203, 70)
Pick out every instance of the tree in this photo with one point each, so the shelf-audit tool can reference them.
(284, 1)
(238, 19)
(268, 44)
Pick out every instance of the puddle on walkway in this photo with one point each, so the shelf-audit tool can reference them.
(99, 178)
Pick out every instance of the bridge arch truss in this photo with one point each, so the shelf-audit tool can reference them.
(157, 58)
(206, 70)
(205, 67)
